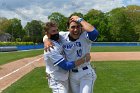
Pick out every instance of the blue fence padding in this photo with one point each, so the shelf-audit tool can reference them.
(116, 44)
(27, 47)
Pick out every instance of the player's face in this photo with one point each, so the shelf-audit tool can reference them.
(75, 30)
(53, 30)
(53, 33)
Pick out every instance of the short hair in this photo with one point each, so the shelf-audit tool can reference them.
(68, 21)
(48, 25)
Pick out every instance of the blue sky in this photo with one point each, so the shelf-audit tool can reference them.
(27, 10)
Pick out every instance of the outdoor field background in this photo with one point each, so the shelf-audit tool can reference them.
(112, 76)
(6, 57)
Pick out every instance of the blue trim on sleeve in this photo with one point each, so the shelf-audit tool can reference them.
(93, 35)
(66, 65)
(57, 62)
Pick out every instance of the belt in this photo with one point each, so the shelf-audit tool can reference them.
(76, 70)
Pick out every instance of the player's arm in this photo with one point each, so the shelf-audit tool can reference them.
(58, 60)
(47, 43)
(72, 64)
(92, 33)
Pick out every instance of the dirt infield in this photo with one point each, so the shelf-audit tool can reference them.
(114, 56)
(11, 72)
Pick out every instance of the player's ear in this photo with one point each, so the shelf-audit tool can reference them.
(45, 33)
(68, 28)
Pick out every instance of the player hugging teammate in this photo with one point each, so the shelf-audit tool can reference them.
(69, 58)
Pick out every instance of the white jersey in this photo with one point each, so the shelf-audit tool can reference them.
(76, 49)
(81, 82)
(52, 59)
(73, 50)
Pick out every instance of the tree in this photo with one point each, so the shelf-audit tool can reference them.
(4, 24)
(100, 21)
(12, 26)
(34, 31)
(121, 27)
(133, 13)
(15, 28)
(78, 14)
(60, 19)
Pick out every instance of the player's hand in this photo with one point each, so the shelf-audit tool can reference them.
(47, 45)
(74, 18)
(87, 57)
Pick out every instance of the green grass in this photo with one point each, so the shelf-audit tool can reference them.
(118, 77)
(115, 49)
(112, 77)
(34, 82)
(12, 56)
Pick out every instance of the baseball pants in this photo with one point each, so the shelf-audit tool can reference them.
(83, 84)
(58, 86)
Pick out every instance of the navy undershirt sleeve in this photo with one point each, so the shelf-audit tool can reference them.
(66, 65)
(93, 35)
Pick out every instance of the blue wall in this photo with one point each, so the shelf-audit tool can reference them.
(116, 44)
(27, 47)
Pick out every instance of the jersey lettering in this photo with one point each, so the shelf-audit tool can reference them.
(70, 46)
(78, 44)
(79, 53)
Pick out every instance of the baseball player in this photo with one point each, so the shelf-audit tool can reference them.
(76, 44)
(56, 65)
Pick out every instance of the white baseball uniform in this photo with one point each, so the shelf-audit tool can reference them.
(58, 77)
(82, 77)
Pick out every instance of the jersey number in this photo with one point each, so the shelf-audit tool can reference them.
(79, 53)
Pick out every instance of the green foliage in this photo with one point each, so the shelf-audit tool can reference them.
(15, 43)
(18, 40)
(77, 14)
(4, 24)
(119, 24)
(15, 29)
(34, 30)
(122, 27)
(99, 20)
(26, 38)
(133, 13)
(60, 19)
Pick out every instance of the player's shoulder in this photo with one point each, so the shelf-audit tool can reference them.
(83, 34)
(63, 33)
(55, 48)
(45, 37)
